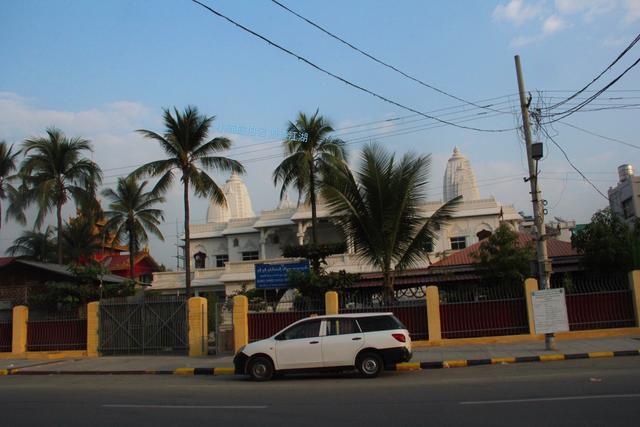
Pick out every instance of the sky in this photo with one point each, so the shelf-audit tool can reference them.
(101, 70)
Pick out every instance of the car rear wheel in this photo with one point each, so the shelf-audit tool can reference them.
(260, 369)
(369, 365)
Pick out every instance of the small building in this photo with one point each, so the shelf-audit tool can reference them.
(143, 265)
(624, 198)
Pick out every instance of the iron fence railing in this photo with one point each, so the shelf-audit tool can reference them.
(6, 330)
(56, 331)
(144, 325)
(267, 319)
(220, 338)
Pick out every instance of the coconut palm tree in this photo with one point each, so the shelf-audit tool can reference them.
(80, 240)
(54, 172)
(190, 153)
(7, 167)
(380, 207)
(34, 245)
(132, 215)
(308, 152)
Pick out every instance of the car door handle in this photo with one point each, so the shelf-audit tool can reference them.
(356, 339)
(314, 342)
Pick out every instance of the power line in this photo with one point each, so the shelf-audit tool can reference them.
(619, 141)
(381, 62)
(342, 79)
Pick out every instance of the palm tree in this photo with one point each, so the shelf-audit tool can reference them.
(132, 214)
(53, 172)
(189, 153)
(380, 207)
(34, 245)
(306, 158)
(80, 240)
(7, 167)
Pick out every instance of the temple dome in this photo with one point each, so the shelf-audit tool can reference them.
(459, 179)
(238, 202)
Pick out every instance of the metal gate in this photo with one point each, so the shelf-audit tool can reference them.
(221, 328)
(144, 325)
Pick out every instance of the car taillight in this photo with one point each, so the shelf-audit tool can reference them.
(399, 337)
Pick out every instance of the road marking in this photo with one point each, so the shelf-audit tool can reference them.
(184, 406)
(551, 399)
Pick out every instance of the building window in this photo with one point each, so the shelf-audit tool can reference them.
(250, 256)
(428, 246)
(459, 242)
(199, 259)
(275, 239)
(221, 259)
(235, 243)
(627, 208)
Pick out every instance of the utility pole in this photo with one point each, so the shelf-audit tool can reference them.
(544, 266)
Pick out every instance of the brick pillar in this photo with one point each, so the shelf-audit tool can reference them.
(433, 313)
(634, 282)
(240, 321)
(19, 333)
(198, 326)
(530, 285)
(93, 339)
(331, 302)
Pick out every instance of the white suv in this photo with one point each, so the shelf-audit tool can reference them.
(369, 342)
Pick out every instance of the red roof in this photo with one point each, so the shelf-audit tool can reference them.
(555, 249)
(121, 262)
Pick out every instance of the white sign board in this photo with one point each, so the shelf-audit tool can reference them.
(550, 311)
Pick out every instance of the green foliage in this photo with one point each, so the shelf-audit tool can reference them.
(317, 254)
(35, 245)
(312, 287)
(7, 167)
(502, 260)
(380, 207)
(608, 244)
(79, 239)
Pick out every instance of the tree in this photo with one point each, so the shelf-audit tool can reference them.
(380, 207)
(309, 150)
(34, 245)
(53, 172)
(190, 153)
(80, 241)
(7, 167)
(132, 215)
(502, 260)
(608, 244)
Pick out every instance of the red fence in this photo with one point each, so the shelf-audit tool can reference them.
(264, 324)
(600, 310)
(414, 317)
(5, 336)
(56, 332)
(484, 318)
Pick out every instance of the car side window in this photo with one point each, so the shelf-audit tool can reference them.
(379, 323)
(310, 329)
(342, 327)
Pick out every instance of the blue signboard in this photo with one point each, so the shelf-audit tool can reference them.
(273, 276)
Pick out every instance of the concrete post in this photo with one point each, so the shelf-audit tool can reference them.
(634, 282)
(93, 339)
(530, 285)
(19, 333)
(331, 302)
(198, 326)
(433, 313)
(240, 321)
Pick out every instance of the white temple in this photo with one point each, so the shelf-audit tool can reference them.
(234, 238)
(459, 179)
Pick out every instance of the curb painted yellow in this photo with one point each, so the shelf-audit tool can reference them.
(331, 302)
(498, 360)
(223, 371)
(408, 366)
(184, 371)
(3, 372)
(551, 357)
(198, 326)
(599, 354)
(454, 363)
(54, 355)
(240, 321)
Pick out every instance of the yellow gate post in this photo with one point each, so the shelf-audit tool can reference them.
(240, 321)
(634, 282)
(433, 313)
(331, 302)
(19, 332)
(530, 285)
(92, 328)
(198, 326)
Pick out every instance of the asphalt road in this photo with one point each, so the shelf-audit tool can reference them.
(582, 392)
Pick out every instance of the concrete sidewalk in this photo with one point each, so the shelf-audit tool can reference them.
(430, 356)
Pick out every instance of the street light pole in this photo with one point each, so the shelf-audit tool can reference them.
(544, 266)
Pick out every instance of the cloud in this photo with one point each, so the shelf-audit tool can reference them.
(553, 24)
(633, 11)
(517, 12)
(589, 8)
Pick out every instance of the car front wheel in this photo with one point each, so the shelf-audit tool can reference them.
(260, 369)
(369, 365)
